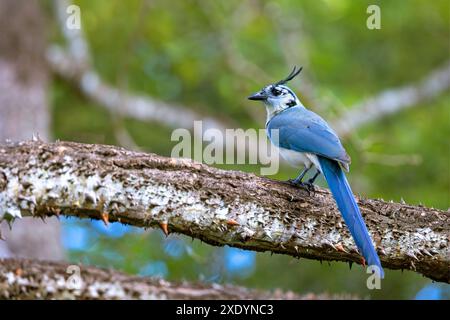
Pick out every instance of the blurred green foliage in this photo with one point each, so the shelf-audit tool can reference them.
(210, 55)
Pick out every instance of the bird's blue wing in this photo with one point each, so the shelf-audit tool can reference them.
(304, 131)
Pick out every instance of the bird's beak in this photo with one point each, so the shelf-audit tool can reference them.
(258, 96)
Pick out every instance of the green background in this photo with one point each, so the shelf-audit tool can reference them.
(210, 55)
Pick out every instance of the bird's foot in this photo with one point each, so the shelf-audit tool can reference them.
(308, 186)
(310, 183)
(295, 182)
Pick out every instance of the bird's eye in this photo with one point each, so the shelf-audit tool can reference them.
(275, 91)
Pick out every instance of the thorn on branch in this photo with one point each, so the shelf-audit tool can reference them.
(340, 247)
(163, 226)
(232, 222)
(363, 262)
(105, 218)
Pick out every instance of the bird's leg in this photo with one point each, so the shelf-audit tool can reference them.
(310, 182)
(298, 180)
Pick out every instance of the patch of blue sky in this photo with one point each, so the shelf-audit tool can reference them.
(434, 291)
(75, 237)
(114, 229)
(238, 262)
(175, 248)
(80, 234)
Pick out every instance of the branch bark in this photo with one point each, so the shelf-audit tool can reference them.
(217, 206)
(31, 279)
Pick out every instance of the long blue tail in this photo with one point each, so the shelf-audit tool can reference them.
(350, 212)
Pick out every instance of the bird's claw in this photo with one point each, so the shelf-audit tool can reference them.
(308, 186)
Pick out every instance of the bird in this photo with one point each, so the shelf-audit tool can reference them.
(305, 140)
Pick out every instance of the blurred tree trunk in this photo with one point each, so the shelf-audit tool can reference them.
(24, 111)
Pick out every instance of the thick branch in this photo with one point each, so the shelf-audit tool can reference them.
(219, 207)
(29, 279)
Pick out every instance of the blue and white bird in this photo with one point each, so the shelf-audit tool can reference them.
(306, 140)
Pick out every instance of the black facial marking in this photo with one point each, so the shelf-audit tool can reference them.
(275, 91)
(291, 103)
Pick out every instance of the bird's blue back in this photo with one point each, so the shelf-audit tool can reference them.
(304, 131)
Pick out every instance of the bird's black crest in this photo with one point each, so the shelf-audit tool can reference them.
(291, 76)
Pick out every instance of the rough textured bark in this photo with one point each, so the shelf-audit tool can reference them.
(24, 111)
(27, 279)
(217, 206)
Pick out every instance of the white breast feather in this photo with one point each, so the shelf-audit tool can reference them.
(300, 159)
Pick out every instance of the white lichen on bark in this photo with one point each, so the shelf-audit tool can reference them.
(216, 206)
(27, 279)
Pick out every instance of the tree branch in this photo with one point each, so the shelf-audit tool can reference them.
(217, 206)
(73, 63)
(392, 101)
(30, 279)
(143, 108)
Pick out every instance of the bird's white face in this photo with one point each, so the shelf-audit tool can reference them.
(276, 98)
